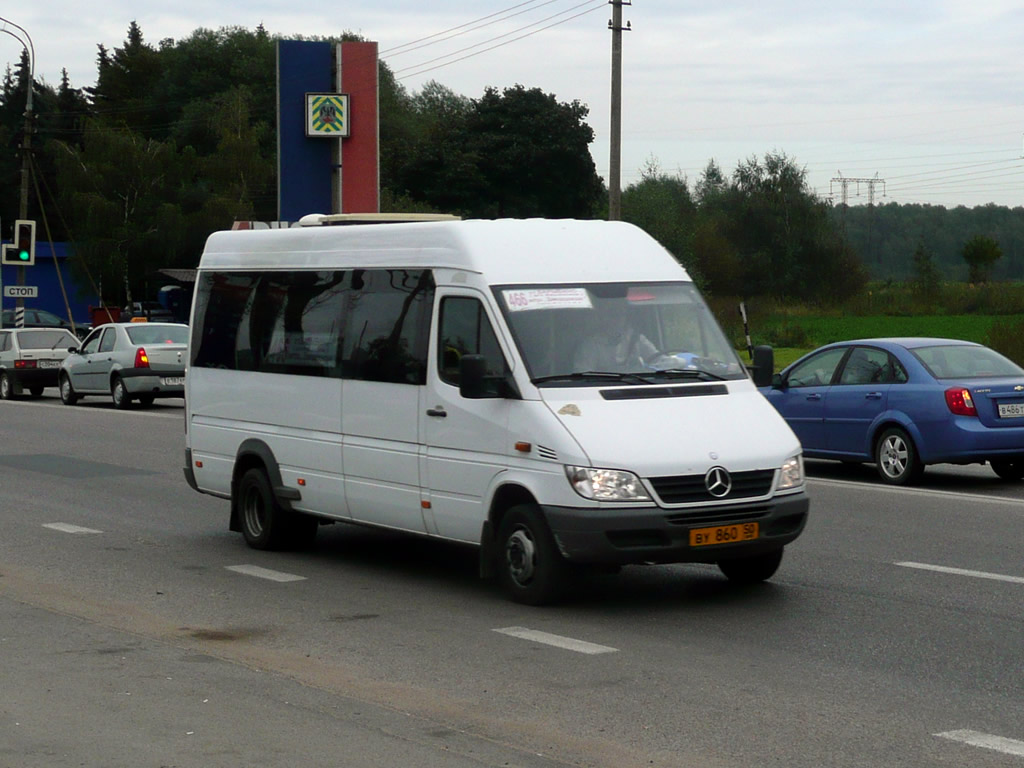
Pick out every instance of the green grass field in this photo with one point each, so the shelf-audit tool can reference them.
(824, 330)
(792, 337)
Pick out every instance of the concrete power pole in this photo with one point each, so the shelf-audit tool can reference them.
(614, 164)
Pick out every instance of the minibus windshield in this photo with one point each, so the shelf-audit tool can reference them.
(589, 334)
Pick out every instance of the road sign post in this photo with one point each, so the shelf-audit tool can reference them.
(21, 292)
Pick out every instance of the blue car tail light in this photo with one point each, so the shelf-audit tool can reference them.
(960, 402)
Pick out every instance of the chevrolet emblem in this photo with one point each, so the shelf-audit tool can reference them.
(1018, 388)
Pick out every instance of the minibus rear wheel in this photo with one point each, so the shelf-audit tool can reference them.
(530, 568)
(263, 521)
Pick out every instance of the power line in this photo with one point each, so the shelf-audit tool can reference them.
(601, 4)
(466, 28)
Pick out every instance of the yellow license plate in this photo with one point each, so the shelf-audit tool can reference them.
(723, 534)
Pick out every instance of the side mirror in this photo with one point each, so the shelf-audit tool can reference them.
(778, 382)
(475, 384)
(764, 366)
(472, 369)
(72, 350)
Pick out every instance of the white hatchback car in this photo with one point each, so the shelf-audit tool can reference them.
(30, 359)
(128, 361)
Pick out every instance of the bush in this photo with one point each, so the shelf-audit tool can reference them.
(1007, 338)
(789, 335)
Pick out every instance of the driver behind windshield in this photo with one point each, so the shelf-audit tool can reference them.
(616, 345)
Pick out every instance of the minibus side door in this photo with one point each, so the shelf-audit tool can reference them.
(466, 438)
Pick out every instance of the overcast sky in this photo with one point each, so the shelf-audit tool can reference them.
(924, 97)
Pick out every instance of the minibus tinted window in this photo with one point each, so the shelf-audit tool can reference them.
(272, 322)
(388, 325)
(360, 324)
(292, 323)
(221, 298)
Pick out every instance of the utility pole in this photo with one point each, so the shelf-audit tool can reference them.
(26, 144)
(614, 164)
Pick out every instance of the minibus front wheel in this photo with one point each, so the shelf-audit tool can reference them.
(752, 569)
(530, 567)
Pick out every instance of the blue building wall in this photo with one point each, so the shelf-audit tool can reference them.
(304, 169)
(43, 274)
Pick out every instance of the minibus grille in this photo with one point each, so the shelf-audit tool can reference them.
(692, 489)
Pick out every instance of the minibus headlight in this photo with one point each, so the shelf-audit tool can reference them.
(792, 474)
(606, 484)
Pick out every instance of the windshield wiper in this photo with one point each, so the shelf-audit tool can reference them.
(629, 378)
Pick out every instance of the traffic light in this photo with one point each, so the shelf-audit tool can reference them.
(23, 252)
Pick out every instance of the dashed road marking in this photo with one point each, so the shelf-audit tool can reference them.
(958, 495)
(68, 528)
(963, 572)
(986, 741)
(264, 573)
(568, 643)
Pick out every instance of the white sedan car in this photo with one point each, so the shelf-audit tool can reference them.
(30, 359)
(128, 361)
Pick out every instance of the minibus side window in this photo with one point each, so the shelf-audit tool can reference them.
(271, 322)
(465, 330)
(294, 323)
(387, 327)
(221, 299)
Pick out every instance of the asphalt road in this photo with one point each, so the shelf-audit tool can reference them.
(135, 629)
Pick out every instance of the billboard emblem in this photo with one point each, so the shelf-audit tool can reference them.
(327, 115)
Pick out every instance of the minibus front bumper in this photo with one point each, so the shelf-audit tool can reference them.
(620, 536)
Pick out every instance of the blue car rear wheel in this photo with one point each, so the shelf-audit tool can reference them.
(1008, 469)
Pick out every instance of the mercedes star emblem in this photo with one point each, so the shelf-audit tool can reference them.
(718, 482)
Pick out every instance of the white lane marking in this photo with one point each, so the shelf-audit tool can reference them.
(917, 491)
(986, 740)
(68, 528)
(963, 572)
(568, 643)
(264, 573)
(98, 406)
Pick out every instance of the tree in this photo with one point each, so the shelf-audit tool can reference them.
(123, 194)
(127, 81)
(661, 205)
(926, 274)
(712, 183)
(517, 153)
(781, 236)
(980, 253)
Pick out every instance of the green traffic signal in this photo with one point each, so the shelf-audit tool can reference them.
(24, 243)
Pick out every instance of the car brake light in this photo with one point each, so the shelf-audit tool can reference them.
(960, 402)
(141, 358)
(24, 363)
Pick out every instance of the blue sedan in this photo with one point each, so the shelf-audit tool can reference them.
(905, 403)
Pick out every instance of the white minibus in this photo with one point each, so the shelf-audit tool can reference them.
(555, 393)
